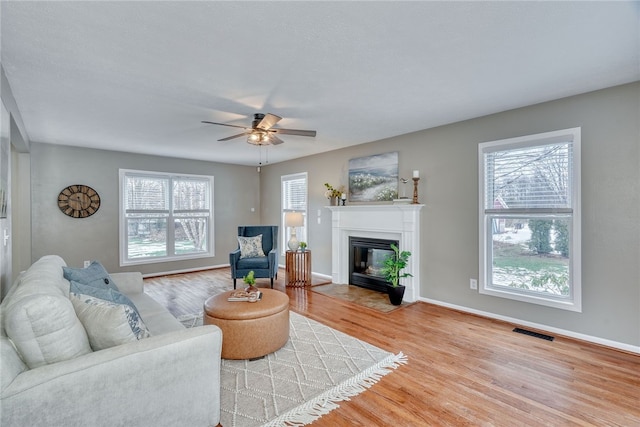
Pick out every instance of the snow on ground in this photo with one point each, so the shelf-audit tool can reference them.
(514, 236)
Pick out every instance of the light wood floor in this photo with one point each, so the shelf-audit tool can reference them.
(463, 370)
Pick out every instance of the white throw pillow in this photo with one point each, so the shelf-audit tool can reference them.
(107, 323)
(250, 247)
(45, 329)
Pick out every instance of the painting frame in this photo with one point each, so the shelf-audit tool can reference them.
(373, 178)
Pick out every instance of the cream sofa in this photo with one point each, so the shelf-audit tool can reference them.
(50, 376)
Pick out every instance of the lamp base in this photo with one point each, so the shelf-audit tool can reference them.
(293, 243)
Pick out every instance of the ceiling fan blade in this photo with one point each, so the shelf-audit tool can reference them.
(268, 120)
(234, 136)
(224, 124)
(274, 140)
(298, 132)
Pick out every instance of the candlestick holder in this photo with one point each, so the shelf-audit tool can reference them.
(415, 190)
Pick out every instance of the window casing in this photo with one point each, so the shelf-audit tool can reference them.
(165, 217)
(529, 210)
(294, 199)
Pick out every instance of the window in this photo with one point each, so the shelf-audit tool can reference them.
(165, 217)
(530, 218)
(294, 199)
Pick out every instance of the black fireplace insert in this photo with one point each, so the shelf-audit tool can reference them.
(366, 259)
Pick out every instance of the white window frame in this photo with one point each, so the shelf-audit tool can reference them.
(302, 232)
(574, 301)
(171, 255)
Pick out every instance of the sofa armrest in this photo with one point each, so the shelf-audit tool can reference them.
(165, 380)
(234, 257)
(128, 283)
(273, 260)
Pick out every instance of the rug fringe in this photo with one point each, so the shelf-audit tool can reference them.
(328, 401)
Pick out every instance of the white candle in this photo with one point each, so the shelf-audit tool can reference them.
(344, 196)
(416, 174)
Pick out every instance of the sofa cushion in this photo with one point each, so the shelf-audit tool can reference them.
(43, 277)
(45, 329)
(108, 323)
(154, 315)
(250, 247)
(93, 275)
(259, 263)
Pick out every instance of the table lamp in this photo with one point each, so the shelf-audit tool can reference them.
(293, 220)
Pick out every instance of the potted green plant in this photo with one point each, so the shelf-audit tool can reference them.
(303, 246)
(392, 268)
(250, 280)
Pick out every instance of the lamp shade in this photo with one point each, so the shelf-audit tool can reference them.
(293, 219)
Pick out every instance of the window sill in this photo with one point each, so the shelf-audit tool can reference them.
(570, 305)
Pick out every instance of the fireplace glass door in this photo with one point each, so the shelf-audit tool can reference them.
(366, 260)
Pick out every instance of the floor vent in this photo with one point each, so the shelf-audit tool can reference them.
(533, 334)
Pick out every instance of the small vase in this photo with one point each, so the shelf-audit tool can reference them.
(251, 289)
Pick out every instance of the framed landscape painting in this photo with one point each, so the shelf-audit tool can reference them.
(374, 178)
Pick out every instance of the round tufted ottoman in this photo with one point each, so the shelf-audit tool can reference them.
(249, 329)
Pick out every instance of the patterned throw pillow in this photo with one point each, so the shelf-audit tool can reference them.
(250, 247)
(94, 275)
(109, 317)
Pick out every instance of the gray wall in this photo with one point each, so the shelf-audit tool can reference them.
(53, 167)
(447, 159)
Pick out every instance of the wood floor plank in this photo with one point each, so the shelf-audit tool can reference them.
(463, 370)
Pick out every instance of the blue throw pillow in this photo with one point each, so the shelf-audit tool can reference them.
(95, 275)
(104, 293)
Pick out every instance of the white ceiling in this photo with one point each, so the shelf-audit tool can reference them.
(141, 76)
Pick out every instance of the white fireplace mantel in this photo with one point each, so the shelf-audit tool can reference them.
(393, 222)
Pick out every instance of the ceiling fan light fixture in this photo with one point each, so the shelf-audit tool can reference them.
(259, 137)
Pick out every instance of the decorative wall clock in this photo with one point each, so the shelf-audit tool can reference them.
(78, 201)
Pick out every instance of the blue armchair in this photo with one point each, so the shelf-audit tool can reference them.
(263, 266)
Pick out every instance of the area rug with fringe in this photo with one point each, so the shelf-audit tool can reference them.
(307, 378)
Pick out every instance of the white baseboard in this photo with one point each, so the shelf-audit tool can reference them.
(323, 276)
(187, 270)
(583, 337)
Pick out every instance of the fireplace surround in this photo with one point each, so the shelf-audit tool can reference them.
(399, 223)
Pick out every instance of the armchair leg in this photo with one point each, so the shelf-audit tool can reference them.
(272, 283)
(234, 283)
